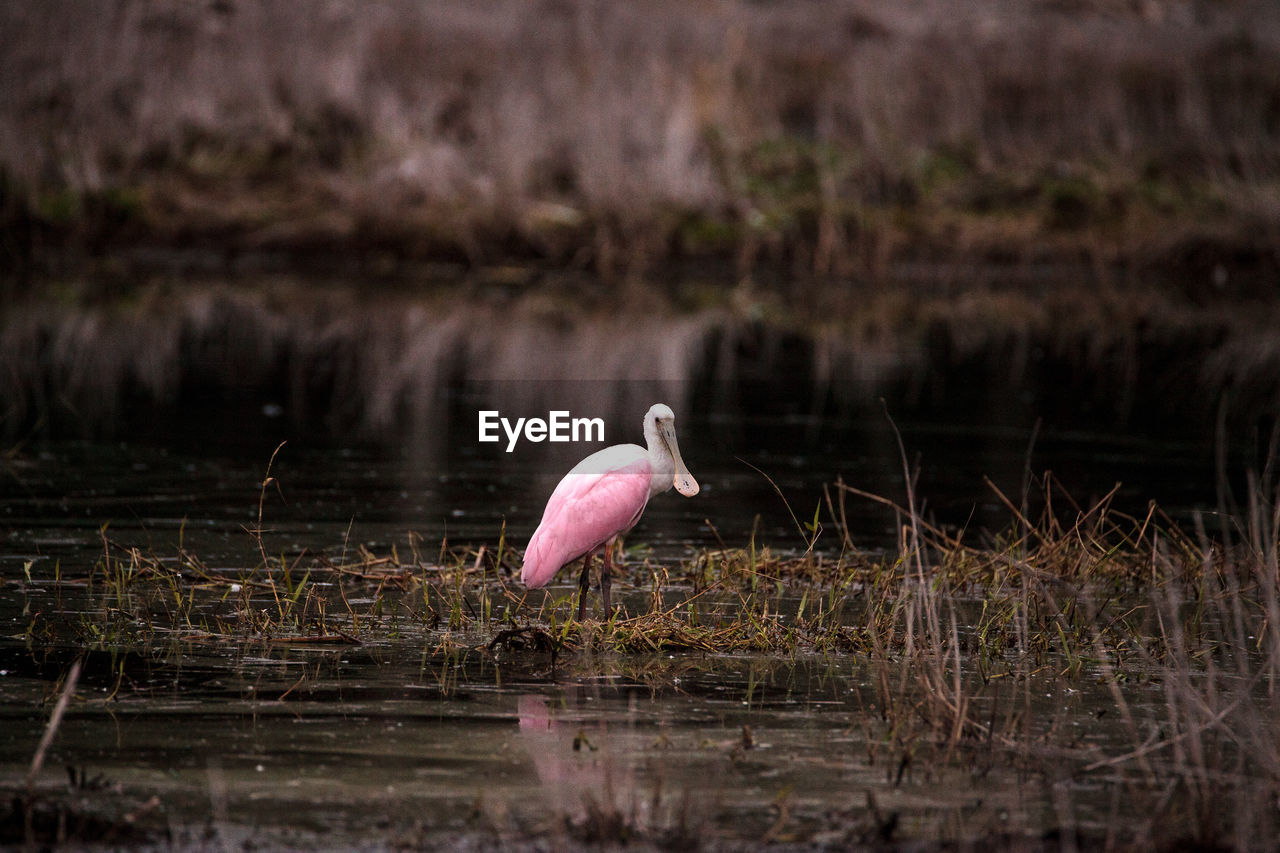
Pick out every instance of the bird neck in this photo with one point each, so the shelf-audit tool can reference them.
(662, 467)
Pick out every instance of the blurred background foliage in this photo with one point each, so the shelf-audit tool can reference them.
(820, 139)
(1077, 197)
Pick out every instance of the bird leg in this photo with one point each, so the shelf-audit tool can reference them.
(584, 586)
(606, 569)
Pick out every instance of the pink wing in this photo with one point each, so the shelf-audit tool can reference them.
(584, 512)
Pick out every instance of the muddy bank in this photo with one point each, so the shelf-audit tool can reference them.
(829, 139)
(343, 360)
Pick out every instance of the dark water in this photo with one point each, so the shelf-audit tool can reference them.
(198, 483)
(383, 745)
(402, 742)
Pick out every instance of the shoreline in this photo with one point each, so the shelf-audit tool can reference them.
(821, 143)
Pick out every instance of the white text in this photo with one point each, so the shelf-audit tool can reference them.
(558, 426)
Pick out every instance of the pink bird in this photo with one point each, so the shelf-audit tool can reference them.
(601, 499)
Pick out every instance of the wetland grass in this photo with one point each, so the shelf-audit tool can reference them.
(956, 636)
(1061, 586)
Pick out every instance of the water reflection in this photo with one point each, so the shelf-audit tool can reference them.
(573, 758)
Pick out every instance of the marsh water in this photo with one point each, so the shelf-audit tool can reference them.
(197, 482)
(383, 746)
(392, 743)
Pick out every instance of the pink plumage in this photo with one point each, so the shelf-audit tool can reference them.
(586, 511)
(602, 498)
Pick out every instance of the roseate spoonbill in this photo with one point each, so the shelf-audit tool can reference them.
(601, 499)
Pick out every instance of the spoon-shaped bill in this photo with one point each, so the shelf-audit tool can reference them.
(683, 480)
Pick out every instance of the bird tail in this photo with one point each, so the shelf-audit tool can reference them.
(540, 565)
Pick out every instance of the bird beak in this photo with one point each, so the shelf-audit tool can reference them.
(683, 480)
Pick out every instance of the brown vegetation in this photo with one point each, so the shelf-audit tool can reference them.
(836, 138)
